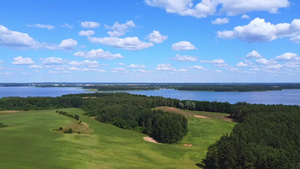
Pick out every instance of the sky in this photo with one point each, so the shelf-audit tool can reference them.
(184, 41)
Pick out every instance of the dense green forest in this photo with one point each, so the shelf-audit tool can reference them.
(263, 140)
(266, 136)
(196, 87)
(122, 87)
(236, 87)
(219, 87)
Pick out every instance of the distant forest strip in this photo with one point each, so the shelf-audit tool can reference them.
(218, 87)
(238, 88)
(197, 87)
(266, 136)
(122, 87)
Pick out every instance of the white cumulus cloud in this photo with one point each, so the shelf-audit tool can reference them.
(236, 7)
(129, 43)
(22, 61)
(183, 45)
(36, 66)
(203, 8)
(253, 54)
(168, 67)
(288, 56)
(241, 64)
(245, 16)
(275, 66)
(68, 44)
(198, 67)
(67, 26)
(156, 37)
(53, 61)
(86, 69)
(186, 7)
(120, 29)
(16, 39)
(263, 61)
(98, 54)
(86, 33)
(136, 66)
(260, 31)
(90, 24)
(220, 21)
(216, 62)
(165, 67)
(50, 27)
(87, 63)
(185, 58)
(119, 70)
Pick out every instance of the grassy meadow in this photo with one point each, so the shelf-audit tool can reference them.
(31, 141)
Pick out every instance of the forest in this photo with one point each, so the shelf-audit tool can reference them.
(197, 87)
(236, 87)
(266, 136)
(218, 87)
(121, 87)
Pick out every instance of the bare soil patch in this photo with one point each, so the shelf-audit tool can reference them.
(227, 118)
(10, 111)
(198, 116)
(149, 139)
(188, 145)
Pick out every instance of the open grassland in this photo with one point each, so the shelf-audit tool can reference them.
(29, 141)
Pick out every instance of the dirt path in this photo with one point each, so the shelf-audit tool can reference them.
(149, 139)
(9, 111)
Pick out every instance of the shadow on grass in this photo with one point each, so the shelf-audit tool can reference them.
(200, 165)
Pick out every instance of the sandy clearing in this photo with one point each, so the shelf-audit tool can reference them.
(9, 111)
(198, 116)
(149, 139)
(188, 145)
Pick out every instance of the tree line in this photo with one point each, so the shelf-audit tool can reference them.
(122, 87)
(76, 117)
(196, 87)
(237, 87)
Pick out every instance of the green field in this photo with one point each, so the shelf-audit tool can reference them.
(29, 141)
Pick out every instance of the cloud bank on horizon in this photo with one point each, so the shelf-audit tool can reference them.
(150, 41)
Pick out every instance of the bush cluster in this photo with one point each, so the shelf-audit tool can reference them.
(76, 117)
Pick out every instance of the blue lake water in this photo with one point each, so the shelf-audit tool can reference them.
(38, 91)
(286, 97)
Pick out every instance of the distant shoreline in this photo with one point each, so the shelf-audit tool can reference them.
(210, 87)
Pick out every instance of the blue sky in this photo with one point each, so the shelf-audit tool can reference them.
(150, 41)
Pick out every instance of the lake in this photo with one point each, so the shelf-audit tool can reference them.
(39, 91)
(286, 97)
